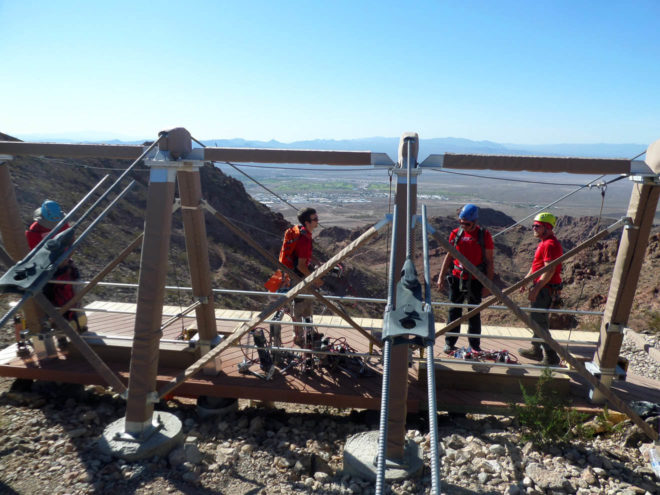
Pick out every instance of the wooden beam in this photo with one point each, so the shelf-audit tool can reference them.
(13, 236)
(628, 265)
(120, 152)
(150, 296)
(310, 157)
(87, 352)
(396, 418)
(592, 166)
(197, 249)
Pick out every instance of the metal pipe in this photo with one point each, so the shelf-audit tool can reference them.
(408, 207)
(55, 230)
(95, 222)
(430, 377)
(387, 351)
(433, 420)
(123, 285)
(384, 409)
(180, 315)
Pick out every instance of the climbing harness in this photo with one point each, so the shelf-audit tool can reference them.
(484, 261)
(469, 354)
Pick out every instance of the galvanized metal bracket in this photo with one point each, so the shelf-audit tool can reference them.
(411, 317)
(29, 277)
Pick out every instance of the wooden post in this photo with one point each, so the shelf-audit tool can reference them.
(396, 425)
(629, 259)
(13, 236)
(151, 291)
(190, 192)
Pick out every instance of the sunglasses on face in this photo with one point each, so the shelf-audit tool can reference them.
(467, 224)
(535, 227)
(315, 219)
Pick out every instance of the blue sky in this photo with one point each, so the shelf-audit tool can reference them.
(507, 71)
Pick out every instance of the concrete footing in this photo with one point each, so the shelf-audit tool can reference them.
(360, 459)
(159, 441)
(215, 406)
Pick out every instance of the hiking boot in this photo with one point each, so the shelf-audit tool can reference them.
(450, 348)
(550, 359)
(533, 352)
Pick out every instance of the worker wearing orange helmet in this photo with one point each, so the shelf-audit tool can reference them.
(545, 287)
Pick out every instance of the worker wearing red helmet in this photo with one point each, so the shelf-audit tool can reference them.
(545, 286)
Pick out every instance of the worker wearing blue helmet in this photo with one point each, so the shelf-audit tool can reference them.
(46, 217)
(476, 244)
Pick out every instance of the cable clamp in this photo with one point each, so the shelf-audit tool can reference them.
(614, 327)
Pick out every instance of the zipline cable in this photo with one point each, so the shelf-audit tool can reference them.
(264, 187)
(251, 178)
(505, 179)
(547, 206)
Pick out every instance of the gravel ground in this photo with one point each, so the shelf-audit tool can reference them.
(48, 441)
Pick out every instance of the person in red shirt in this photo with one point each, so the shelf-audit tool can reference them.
(541, 292)
(46, 217)
(476, 244)
(299, 261)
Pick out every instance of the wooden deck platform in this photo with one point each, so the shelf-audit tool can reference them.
(455, 379)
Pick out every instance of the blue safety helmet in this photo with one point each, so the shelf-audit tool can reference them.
(469, 212)
(51, 211)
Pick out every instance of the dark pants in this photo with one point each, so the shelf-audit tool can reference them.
(473, 296)
(543, 301)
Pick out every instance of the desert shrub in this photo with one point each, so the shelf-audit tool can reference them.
(545, 416)
(652, 321)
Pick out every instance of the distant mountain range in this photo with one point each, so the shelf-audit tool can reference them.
(388, 145)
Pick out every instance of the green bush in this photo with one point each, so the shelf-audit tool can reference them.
(545, 416)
